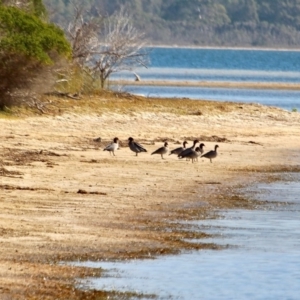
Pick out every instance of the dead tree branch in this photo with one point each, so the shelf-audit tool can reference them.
(106, 45)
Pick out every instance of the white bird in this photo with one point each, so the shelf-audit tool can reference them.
(211, 154)
(135, 147)
(112, 146)
(137, 77)
(162, 150)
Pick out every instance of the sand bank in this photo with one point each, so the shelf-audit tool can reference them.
(63, 198)
(210, 84)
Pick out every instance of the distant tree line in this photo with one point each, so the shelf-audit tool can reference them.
(261, 23)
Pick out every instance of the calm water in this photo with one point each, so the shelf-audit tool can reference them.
(262, 260)
(221, 65)
(287, 100)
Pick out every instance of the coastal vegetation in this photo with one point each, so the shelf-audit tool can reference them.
(29, 48)
(255, 23)
(38, 57)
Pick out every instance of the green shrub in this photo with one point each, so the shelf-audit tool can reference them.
(28, 47)
(28, 35)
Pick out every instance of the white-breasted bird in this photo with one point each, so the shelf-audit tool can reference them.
(112, 146)
(199, 150)
(179, 149)
(135, 147)
(211, 154)
(162, 150)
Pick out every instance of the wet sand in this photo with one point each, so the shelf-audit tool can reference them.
(63, 198)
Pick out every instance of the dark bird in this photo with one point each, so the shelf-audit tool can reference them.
(187, 150)
(162, 150)
(193, 154)
(201, 150)
(211, 154)
(179, 149)
(112, 146)
(135, 147)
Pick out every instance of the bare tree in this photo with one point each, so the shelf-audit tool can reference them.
(83, 36)
(106, 45)
(122, 47)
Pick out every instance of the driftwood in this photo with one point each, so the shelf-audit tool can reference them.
(255, 143)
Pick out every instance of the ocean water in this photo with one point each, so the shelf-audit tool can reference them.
(261, 261)
(226, 65)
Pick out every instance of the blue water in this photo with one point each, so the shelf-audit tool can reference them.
(287, 100)
(225, 59)
(262, 260)
(226, 65)
(194, 75)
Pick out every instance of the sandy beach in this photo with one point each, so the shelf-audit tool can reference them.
(62, 198)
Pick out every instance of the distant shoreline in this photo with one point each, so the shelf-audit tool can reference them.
(225, 48)
(211, 84)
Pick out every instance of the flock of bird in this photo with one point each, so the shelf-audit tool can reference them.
(182, 152)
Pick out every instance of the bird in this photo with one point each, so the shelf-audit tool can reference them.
(112, 146)
(193, 154)
(137, 77)
(179, 149)
(199, 150)
(187, 150)
(135, 147)
(211, 154)
(162, 150)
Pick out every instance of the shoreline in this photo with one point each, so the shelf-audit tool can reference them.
(225, 48)
(211, 84)
(126, 202)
